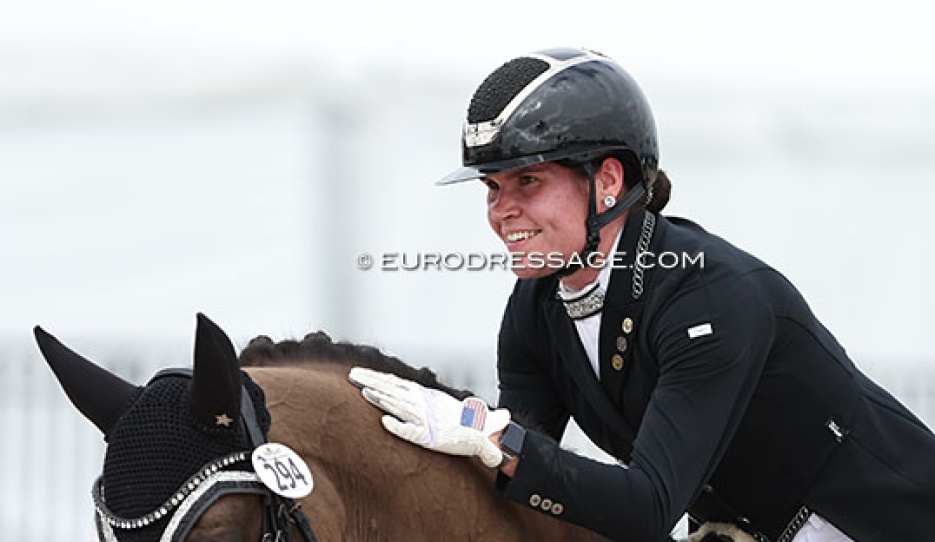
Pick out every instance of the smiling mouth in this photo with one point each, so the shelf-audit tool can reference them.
(517, 236)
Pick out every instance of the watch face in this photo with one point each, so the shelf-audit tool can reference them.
(512, 439)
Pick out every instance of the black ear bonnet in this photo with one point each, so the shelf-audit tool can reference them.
(176, 445)
(157, 445)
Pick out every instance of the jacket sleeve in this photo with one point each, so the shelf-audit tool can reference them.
(524, 388)
(705, 383)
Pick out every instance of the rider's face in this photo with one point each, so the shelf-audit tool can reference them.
(538, 211)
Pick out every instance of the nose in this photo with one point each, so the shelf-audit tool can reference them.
(504, 205)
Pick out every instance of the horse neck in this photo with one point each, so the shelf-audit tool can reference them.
(371, 485)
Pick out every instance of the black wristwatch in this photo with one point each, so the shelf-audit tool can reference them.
(511, 442)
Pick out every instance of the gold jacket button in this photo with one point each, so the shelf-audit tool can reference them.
(534, 500)
(627, 325)
(557, 508)
(546, 504)
(622, 344)
(617, 362)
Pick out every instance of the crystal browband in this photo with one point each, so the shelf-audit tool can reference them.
(587, 304)
(172, 503)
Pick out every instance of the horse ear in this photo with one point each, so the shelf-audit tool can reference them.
(98, 394)
(216, 384)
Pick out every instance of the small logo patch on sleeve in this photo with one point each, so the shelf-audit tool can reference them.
(700, 331)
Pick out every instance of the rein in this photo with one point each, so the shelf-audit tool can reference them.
(217, 478)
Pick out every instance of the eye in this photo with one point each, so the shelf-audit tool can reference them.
(493, 190)
(527, 179)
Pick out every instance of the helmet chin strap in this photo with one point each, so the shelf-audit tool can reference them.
(596, 221)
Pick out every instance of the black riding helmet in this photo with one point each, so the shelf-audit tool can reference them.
(573, 106)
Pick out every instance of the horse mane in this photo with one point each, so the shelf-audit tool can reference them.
(317, 348)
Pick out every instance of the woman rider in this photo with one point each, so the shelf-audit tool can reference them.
(711, 381)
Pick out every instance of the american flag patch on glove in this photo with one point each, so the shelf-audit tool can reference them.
(474, 413)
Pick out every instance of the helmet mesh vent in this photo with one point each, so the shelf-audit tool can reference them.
(501, 86)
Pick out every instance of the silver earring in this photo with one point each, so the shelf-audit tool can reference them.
(609, 201)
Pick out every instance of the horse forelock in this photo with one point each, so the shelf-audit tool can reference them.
(318, 348)
(157, 445)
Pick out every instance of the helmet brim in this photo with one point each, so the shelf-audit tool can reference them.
(460, 175)
(468, 173)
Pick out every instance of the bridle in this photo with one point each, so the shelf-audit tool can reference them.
(227, 475)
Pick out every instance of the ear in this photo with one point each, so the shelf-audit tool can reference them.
(608, 179)
(99, 395)
(216, 384)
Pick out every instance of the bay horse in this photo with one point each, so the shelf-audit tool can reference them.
(177, 466)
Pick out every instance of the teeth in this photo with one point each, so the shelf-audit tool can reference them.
(519, 235)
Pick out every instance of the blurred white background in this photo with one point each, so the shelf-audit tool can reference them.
(235, 158)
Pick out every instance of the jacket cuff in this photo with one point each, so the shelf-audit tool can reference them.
(528, 485)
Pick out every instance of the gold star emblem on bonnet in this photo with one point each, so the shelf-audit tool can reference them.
(223, 419)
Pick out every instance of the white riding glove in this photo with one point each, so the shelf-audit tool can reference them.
(432, 418)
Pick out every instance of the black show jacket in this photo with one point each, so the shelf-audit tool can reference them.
(759, 421)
